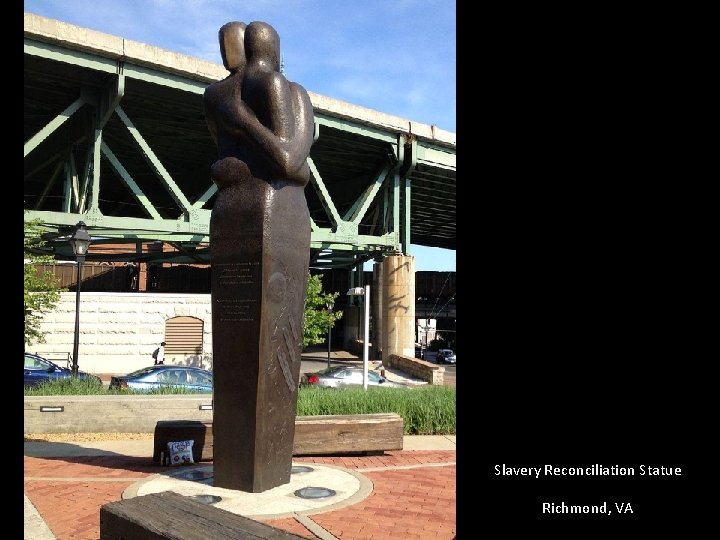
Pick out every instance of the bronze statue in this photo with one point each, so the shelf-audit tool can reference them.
(262, 125)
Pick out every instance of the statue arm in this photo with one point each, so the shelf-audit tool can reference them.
(285, 152)
(304, 119)
(279, 152)
(210, 99)
(279, 103)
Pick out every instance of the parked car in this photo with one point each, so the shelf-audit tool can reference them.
(38, 369)
(163, 375)
(445, 356)
(341, 376)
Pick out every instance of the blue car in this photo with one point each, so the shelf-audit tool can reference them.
(38, 370)
(162, 375)
(445, 356)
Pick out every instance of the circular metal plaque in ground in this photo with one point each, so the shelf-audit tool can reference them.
(195, 475)
(314, 493)
(343, 488)
(206, 499)
(300, 469)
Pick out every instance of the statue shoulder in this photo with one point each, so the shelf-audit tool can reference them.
(211, 93)
(300, 93)
(221, 88)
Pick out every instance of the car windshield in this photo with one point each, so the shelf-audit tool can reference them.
(143, 371)
(346, 372)
(36, 362)
(331, 371)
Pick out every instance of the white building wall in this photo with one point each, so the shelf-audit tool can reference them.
(119, 331)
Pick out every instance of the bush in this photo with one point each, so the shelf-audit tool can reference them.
(437, 344)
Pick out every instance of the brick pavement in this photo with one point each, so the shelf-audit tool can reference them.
(413, 495)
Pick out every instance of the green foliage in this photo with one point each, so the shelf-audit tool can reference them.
(425, 410)
(42, 290)
(318, 319)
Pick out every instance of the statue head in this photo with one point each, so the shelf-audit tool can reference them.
(262, 45)
(232, 45)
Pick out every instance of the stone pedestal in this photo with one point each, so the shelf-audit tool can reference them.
(398, 306)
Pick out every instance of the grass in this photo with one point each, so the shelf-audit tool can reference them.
(67, 387)
(80, 387)
(426, 410)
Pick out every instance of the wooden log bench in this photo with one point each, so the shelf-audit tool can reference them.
(348, 434)
(169, 516)
(314, 435)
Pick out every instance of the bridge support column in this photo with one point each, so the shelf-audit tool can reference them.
(398, 306)
(376, 311)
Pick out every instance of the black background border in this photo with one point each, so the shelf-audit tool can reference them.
(578, 257)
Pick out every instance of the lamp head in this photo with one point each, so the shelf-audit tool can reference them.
(80, 241)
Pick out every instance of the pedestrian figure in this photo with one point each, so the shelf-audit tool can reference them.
(159, 354)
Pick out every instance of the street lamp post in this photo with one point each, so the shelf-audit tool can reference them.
(359, 291)
(80, 241)
(427, 330)
(329, 306)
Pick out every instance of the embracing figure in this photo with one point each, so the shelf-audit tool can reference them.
(263, 127)
(255, 114)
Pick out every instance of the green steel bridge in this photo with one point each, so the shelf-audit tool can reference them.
(115, 136)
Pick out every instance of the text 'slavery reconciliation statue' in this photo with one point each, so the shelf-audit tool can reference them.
(260, 251)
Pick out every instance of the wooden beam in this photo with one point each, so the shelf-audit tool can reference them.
(170, 516)
(314, 435)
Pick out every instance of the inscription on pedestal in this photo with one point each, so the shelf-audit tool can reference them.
(237, 273)
(236, 279)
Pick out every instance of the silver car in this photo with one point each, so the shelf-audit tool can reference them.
(341, 376)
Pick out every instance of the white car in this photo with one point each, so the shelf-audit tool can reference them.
(339, 376)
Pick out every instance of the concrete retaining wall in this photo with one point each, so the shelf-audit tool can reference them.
(116, 414)
(119, 331)
(419, 369)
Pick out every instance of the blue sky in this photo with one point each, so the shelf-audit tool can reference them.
(393, 56)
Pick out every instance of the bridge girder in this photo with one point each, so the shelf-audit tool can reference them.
(121, 143)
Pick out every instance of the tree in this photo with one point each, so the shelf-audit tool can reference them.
(42, 289)
(318, 318)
